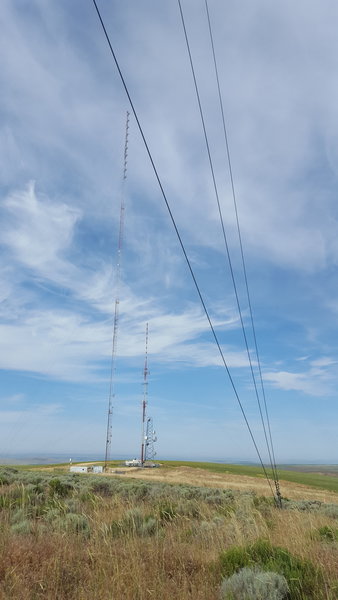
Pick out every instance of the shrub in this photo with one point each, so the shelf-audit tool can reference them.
(141, 491)
(6, 501)
(7, 475)
(205, 530)
(18, 515)
(51, 514)
(304, 579)
(72, 506)
(59, 488)
(115, 529)
(73, 523)
(86, 495)
(149, 526)
(77, 523)
(101, 487)
(308, 505)
(133, 519)
(253, 584)
(330, 510)
(24, 527)
(188, 508)
(136, 523)
(329, 534)
(167, 512)
(264, 505)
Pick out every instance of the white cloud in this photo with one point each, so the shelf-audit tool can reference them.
(15, 399)
(63, 113)
(69, 342)
(318, 380)
(40, 232)
(68, 346)
(276, 96)
(325, 361)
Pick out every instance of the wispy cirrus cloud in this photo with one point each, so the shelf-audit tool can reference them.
(38, 233)
(63, 114)
(318, 379)
(71, 339)
(276, 197)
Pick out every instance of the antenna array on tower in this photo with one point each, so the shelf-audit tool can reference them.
(117, 302)
(145, 398)
(148, 434)
(150, 440)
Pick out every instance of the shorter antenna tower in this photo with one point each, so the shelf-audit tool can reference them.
(145, 399)
(148, 434)
(150, 439)
(117, 303)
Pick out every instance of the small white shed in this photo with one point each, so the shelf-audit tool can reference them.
(78, 469)
(97, 469)
(133, 463)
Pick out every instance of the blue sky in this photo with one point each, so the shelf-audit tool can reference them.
(62, 120)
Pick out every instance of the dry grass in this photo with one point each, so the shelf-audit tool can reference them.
(201, 477)
(115, 558)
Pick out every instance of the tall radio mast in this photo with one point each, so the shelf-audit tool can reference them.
(117, 302)
(145, 399)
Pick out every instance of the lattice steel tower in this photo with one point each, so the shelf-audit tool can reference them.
(150, 439)
(117, 303)
(145, 399)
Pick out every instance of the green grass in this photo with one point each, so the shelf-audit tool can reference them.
(322, 469)
(304, 579)
(316, 480)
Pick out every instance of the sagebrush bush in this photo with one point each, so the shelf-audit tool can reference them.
(188, 508)
(254, 584)
(304, 579)
(306, 505)
(18, 515)
(51, 514)
(136, 523)
(72, 505)
(330, 510)
(167, 511)
(149, 526)
(115, 529)
(23, 527)
(205, 530)
(60, 488)
(101, 487)
(73, 523)
(326, 533)
(8, 475)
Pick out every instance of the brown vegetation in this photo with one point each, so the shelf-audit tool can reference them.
(201, 477)
(96, 538)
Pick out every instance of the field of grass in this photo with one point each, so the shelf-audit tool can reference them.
(326, 477)
(313, 479)
(86, 537)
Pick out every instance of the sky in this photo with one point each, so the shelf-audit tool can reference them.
(62, 131)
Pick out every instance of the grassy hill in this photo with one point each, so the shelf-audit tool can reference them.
(325, 479)
(321, 476)
(80, 537)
